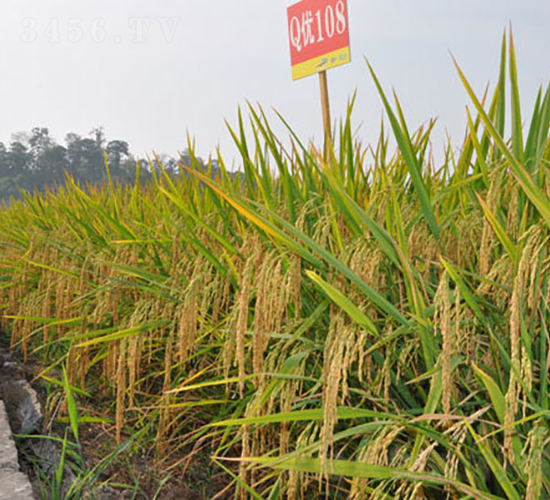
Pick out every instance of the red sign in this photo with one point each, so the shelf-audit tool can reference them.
(318, 33)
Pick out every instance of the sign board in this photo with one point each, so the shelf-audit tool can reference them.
(318, 32)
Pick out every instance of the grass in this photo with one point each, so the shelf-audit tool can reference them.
(364, 325)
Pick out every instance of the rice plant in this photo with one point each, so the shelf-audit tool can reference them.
(365, 323)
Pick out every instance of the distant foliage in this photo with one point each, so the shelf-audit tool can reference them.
(34, 160)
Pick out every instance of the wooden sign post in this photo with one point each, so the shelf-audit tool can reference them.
(318, 33)
(325, 104)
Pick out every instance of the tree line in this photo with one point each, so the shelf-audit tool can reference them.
(34, 160)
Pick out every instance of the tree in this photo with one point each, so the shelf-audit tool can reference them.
(20, 159)
(98, 135)
(117, 152)
(85, 158)
(40, 141)
(53, 163)
(4, 161)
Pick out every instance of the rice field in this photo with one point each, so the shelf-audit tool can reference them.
(364, 324)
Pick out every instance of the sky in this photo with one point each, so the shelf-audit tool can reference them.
(151, 72)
